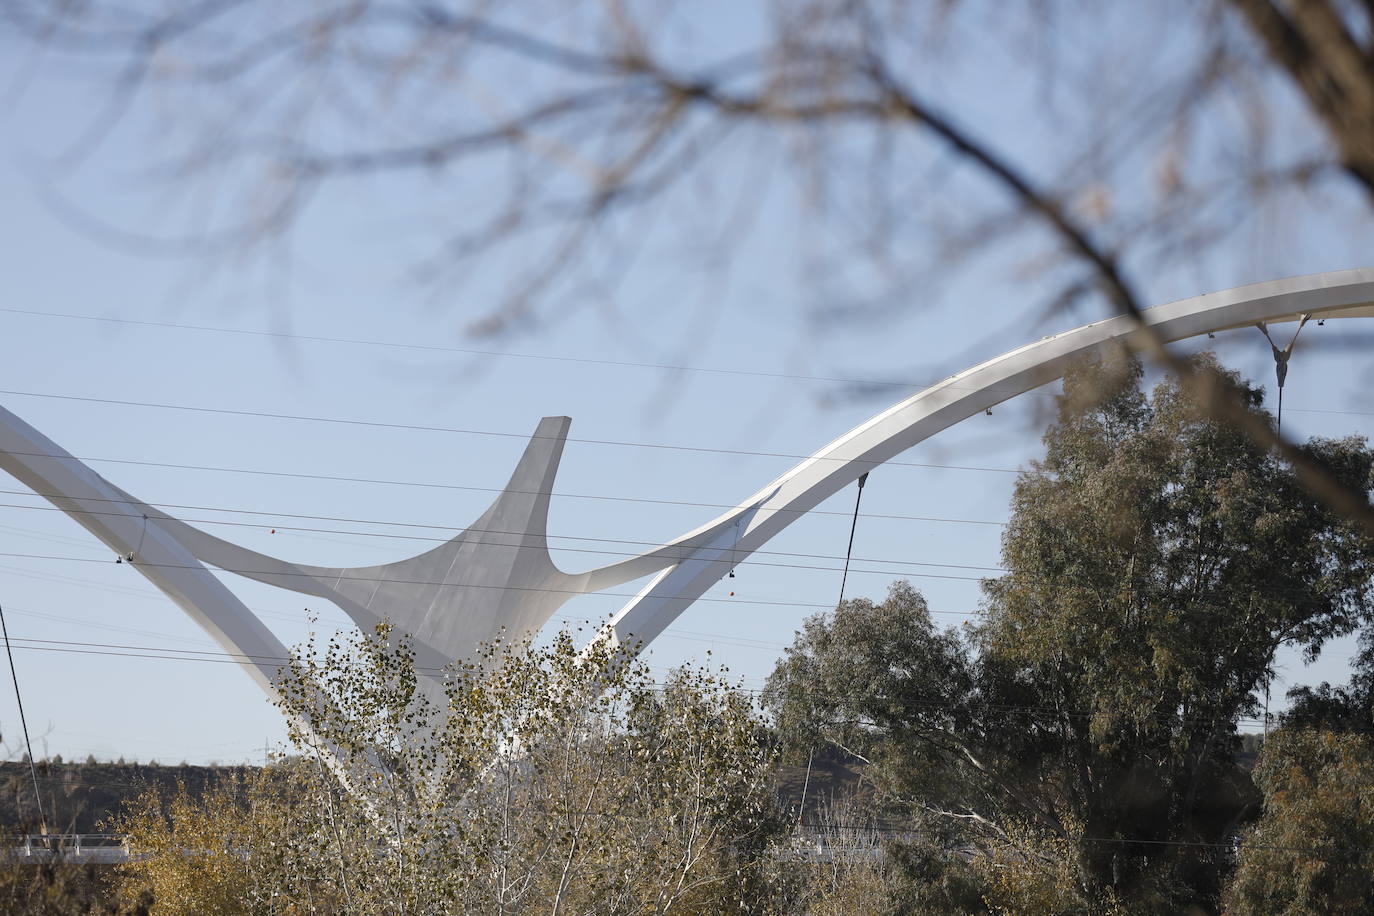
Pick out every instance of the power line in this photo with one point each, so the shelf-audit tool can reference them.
(723, 551)
(507, 354)
(381, 424)
(447, 528)
(164, 653)
(687, 552)
(469, 351)
(743, 642)
(517, 588)
(466, 488)
(487, 586)
(673, 632)
(691, 635)
(221, 657)
(723, 554)
(101, 625)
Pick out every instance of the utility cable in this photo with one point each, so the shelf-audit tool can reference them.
(86, 648)
(23, 722)
(379, 424)
(486, 586)
(452, 486)
(263, 513)
(154, 652)
(506, 354)
(473, 351)
(688, 552)
(519, 588)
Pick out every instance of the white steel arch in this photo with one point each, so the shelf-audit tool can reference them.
(497, 575)
(743, 530)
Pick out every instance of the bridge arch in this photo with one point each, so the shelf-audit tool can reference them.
(746, 528)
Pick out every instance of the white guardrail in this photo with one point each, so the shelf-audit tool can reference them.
(114, 849)
(74, 848)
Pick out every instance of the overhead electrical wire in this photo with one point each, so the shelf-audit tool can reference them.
(230, 658)
(516, 588)
(507, 354)
(109, 627)
(470, 351)
(155, 653)
(349, 421)
(221, 657)
(724, 554)
(151, 595)
(688, 552)
(264, 513)
(473, 489)
(382, 424)
(742, 642)
(440, 584)
(485, 586)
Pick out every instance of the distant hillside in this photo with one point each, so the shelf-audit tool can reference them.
(78, 797)
(834, 776)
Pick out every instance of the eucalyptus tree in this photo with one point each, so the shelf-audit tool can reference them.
(1312, 848)
(1155, 559)
(1312, 851)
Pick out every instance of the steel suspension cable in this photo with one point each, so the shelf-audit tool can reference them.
(853, 526)
(23, 722)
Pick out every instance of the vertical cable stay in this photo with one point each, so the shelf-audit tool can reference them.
(801, 808)
(142, 535)
(33, 767)
(853, 525)
(734, 561)
(1281, 358)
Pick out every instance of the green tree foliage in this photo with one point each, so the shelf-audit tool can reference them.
(1155, 559)
(1345, 708)
(545, 779)
(1312, 851)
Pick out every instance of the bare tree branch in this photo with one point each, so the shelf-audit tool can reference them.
(1312, 44)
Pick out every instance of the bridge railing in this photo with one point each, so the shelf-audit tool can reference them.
(91, 848)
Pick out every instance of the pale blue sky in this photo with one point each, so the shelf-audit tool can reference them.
(345, 276)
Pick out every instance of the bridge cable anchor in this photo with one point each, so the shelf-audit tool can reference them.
(1281, 358)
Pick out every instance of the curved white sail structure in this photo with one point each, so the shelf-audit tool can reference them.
(497, 576)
